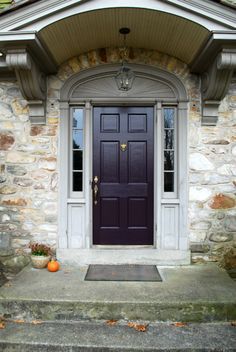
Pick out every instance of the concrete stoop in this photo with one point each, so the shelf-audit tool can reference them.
(74, 311)
(99, 337)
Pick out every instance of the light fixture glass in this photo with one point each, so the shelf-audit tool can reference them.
(125, 76)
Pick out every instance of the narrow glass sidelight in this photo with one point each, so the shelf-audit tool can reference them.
(77, 149)
(169, 150)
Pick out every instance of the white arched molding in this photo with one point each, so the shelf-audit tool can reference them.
(99, 82)
(152, 86)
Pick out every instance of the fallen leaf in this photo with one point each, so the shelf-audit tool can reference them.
(140, 327)
(111, 322)
(36, 322)
(233, 323)
(8, 284)
(137, 327)
(2, 325)
(19, 321)
(179, 324)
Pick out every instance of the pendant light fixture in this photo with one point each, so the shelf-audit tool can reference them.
(125, 76)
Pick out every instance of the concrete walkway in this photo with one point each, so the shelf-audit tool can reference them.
(197, 293)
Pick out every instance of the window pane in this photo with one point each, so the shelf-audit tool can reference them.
(168, 160)
(77, 181)
(168, 182)
(78, 118)
(77, 139)
(78, 160)
(169, 139)
(169, 115)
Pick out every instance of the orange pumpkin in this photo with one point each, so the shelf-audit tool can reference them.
(53, 265)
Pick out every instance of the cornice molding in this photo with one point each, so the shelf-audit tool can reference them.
(215, 84)
(29, 16)
(32, 82)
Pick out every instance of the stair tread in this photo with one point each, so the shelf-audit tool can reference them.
(201, 294)
(158, 337)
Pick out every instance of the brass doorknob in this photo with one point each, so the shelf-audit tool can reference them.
(95, 190)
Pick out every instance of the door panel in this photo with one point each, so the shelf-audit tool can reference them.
(137, 162)
(110, 162)
(137, 208)
(123, 163)
(110, 209)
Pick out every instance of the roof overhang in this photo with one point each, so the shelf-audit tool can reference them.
(39, 36)
(55, 30)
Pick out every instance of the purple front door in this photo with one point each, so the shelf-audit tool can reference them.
(123, 175)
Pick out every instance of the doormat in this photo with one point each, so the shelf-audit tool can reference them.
(123, 273)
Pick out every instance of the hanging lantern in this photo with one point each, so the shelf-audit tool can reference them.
(125, 76)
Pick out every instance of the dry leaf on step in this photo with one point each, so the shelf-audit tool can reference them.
(8, 284)
(137, 327)
(179, 324)
(111, 322)
(19, 321)
(36, 322)
(140, 327)
(2, 325)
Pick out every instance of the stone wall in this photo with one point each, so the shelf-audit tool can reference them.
(212, 180)
(28, 179)
(29, 159)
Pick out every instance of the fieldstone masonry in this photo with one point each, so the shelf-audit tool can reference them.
(29, 161)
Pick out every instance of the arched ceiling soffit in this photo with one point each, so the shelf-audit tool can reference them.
(167, 33)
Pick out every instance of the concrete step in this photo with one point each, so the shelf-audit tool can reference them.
(151, 311)
(98, 336)
(189, 294)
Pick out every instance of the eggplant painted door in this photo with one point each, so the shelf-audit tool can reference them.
(123, 175)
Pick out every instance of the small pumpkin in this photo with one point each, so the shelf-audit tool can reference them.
(53, 265)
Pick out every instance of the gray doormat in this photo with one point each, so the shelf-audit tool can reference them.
(122, 273)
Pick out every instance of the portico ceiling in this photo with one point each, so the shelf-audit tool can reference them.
(173, 35)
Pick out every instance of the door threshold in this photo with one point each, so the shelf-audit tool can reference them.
(99, 246)
(123, 256)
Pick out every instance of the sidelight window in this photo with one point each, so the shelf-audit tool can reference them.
(169, 152)
(77, 148)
